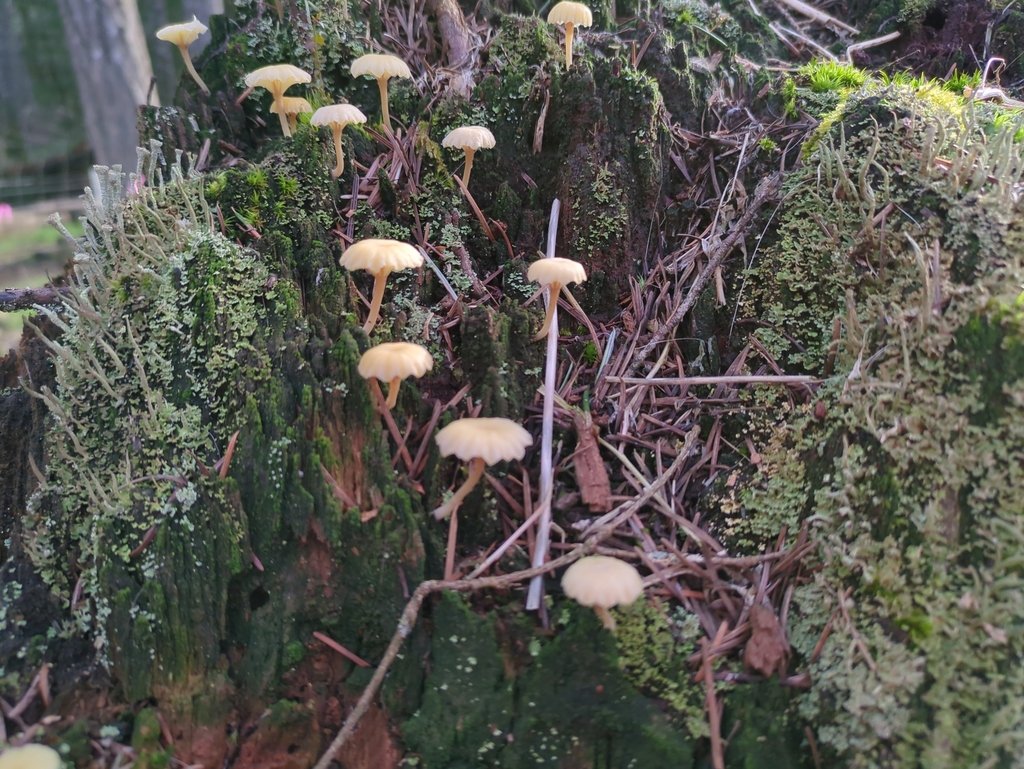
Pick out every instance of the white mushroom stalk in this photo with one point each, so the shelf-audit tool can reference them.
(183, 35)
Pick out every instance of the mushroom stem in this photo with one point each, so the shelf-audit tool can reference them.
(293, 122)
(396, 382)
(339, 168)
(554, 288)
(280, 10)
(449, 556)
(606, 617)
(191, 69)
(279, 103)
(382, 83)
(469, 166)
(379, 281)
(568, 45)
(476, 472)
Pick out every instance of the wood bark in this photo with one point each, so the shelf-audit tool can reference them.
(112, 67)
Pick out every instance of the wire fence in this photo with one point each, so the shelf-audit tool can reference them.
(21, 190)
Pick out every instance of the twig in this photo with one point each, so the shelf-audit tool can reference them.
(493, 557)
(340, 649)
(765, 191)
(819, 16)
(540, 552)
(739, 379)
(714, 720)
(13, 299)
(876, 41)
(408, 620)
(390, 421)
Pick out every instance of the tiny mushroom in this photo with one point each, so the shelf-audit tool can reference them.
(380, 258)
(602, 582)
(337, 116)
(392, 362)
(469, 138)
(31, 756)
(277, 79)
(555, 273)
(481, 441)
(292, 106)
(571, 15)
(382, 66)
(183, 35)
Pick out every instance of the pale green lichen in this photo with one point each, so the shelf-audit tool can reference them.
(910, 476)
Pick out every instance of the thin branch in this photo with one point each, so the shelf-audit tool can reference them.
(766, 191)
(408, 621)
(13, 299)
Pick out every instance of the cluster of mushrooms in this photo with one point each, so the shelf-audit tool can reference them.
(597, 581)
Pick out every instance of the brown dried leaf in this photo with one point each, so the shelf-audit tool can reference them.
(595, 488)
(767, 650)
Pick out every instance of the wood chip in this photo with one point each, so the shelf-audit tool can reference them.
(591, 475)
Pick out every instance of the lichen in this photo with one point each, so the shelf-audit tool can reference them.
(906, 472)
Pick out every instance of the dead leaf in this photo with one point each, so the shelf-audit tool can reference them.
(767, 651)
(595, 488)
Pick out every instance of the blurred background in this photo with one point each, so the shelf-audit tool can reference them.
(71, 74)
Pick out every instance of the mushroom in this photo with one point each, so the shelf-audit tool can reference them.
(480, 441)
(555, 273)
(382, 66)
(31, 756)
(277, 79)
(292, 106)
(380, 258)
(602, 582)
(469, 138)
(393, 362)
(337, 116)
(183, 35)
(571, 15)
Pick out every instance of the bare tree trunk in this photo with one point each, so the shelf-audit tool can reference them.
(112, 66)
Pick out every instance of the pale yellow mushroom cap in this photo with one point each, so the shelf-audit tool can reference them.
(491, 439)
(472, 137)
(33, 756)
(277, 78)
(337, 115)
(374, 255)
(556, 270)
(395, 360)
(293, 105)
(598, 580)
(182, 34)
(380, 65)
(577, 13)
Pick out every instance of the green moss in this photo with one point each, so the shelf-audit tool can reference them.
(832, 76)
